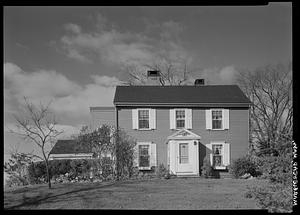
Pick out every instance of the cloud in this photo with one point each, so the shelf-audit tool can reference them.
(225, 75)
(40, 85)
(73, 28)
(70, 101)
(113, 46)
(106, 81)
(110, 46)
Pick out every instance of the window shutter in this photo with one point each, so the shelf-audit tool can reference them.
(152, 119)
(188, 118)
(136, 156)
(134, 118)
(209, 146)
(172, 119)
(208, 119)
(225, 115)
(153, 155)
(226, 154)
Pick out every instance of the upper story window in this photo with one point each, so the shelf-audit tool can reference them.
(216, 119)
(143, 119)
(180, 118)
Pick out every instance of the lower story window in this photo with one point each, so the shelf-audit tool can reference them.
(144, 156)
(217, 155)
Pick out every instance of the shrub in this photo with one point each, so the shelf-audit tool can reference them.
(206, 169)
(36, 172)
(278, 169)
(81, 168)
(17, 169)
(58, 167)
(162, 172)
(275, 198)
(14, 180)
(243, 165)
(278, 195)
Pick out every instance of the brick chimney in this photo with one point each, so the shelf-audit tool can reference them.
(153, 77)
(199, 82)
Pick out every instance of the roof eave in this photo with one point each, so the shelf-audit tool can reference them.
(131, 104)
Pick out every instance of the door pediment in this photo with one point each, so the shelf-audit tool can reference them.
(184, 134)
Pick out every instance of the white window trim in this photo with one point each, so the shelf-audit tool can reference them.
(143, 129)
(217, 129)
(138, 159)
(176, 109)
(223, 148)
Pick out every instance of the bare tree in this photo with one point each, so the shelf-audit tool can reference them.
(172, 72)
(38, 126)
(270, 90)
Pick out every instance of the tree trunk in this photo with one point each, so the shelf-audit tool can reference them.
(48, 175)
(47, 169)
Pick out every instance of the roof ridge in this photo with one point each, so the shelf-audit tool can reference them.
(177, 85)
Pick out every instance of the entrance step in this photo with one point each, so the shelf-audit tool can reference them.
(225, 174)
(188, 176)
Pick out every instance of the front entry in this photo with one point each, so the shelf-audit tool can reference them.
(183, 154)
(185, 157)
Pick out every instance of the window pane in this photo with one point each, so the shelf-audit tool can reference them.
(183, 153)
(217, 119)
(144, 157)
(143, 123)
(217, 124)
(180, 114)
(180, 118)
(217, 154)
(217, 149)
(217, 160)
(179, 123)
(217, 114)
(143, 118)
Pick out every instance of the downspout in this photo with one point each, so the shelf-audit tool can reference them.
(117, 127)
(249, 142)
(117, 119)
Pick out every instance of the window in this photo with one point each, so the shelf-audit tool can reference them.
(217, 152)
(183, 153)
(144, 156)
(216, 119)
(143, 119)
(180, 118)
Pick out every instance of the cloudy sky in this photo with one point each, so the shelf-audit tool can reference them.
(75, 56)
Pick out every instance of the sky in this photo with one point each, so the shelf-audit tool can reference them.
(75, 56)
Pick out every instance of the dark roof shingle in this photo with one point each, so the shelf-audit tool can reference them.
(69, 147)
(207, 94)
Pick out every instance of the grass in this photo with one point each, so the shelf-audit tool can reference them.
(178, 193)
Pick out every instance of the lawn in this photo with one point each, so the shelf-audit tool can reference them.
(178, 193)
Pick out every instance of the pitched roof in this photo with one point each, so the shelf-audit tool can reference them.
(69, 147)
(207, 94)
(102, 109)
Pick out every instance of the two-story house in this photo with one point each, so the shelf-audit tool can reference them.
(179, 125)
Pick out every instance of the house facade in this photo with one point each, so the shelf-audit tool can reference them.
(179, 126)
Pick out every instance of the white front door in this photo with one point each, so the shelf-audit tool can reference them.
(184, 157)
